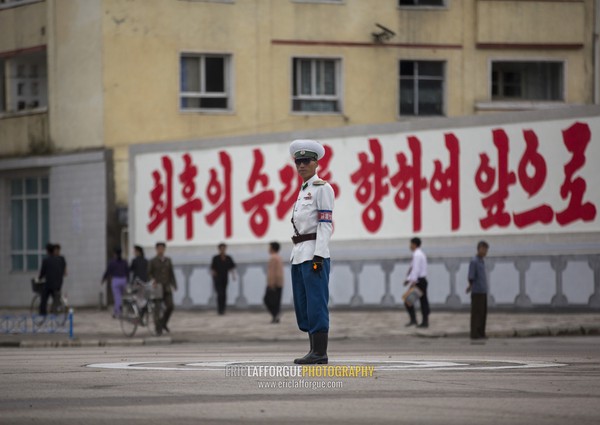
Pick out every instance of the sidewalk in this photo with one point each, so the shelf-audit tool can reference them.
(97, 328)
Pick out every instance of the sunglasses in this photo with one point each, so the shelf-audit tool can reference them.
(304, 161)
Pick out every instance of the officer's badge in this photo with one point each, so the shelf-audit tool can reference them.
(308, 197)
(319, 182)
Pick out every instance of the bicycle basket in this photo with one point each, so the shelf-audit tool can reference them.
(37, 285)
(156, 292)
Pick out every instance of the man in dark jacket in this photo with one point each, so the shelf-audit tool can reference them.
(139, 265)
(220, 267)
(479, 291)
(52, 273)
(160, 271)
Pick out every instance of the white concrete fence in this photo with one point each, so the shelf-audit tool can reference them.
(525, 282)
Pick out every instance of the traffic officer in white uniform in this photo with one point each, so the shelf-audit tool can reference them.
(312, 223)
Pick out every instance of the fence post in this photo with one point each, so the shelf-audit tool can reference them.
(452, 266)
(187, 271)
(241, 301)
(388, 268)
(356, 267)
(559, 264)
(70, 323)
(522, 300)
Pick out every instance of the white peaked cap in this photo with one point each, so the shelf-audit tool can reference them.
(298, 148)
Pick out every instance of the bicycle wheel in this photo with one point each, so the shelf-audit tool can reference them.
(129, 319)
(35, 304)
(152, 306)
(36, 318)
(144, 315)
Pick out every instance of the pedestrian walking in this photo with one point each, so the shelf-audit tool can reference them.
(312, 222)
(272, 297)
(51, 273)
(116, 273)
(478, 289)
(417, 276)
(139, 265)
(220, 267)
(161, 272)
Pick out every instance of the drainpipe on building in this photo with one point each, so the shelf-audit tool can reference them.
(597, 53)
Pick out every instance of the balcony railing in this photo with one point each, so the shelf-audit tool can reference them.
(24, 133)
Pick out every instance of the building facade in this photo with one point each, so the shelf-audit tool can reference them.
(82, 82)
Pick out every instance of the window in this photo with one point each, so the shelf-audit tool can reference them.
(422, 3)
(205, 82)
(30, 216)
(538, 81)
(5, 4)
(421, 88)
(23, 82)
(316, 85)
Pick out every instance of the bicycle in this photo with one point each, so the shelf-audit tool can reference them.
(132, 315)
(59, 309)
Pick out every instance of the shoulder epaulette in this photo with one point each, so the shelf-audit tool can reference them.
(319, 182)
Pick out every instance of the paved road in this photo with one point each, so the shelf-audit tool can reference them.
(415, 380)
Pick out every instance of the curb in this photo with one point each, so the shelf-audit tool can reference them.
(591, 330)
(111, 342)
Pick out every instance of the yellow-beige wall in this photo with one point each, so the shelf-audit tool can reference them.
(114, 64)
(530, 21)
(23, 27)
(75, 68)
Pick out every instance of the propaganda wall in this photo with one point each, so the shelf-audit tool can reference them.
(526, 183)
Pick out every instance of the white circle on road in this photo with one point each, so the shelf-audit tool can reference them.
(378, 365)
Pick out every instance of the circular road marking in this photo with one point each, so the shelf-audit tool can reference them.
(379, 365)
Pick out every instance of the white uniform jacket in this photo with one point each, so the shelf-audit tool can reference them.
(418, 266)
(313, 213)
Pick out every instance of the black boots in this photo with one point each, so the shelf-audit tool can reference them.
(300, 360)
(318, 350)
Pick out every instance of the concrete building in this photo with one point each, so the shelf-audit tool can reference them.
(83, 81)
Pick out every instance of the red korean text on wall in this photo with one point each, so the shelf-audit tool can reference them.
(382, 184)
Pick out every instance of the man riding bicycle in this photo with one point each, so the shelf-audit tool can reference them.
(52, 272)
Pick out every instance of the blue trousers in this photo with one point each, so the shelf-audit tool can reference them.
(311, 294)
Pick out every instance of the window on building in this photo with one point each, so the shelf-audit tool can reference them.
(422, 2)
(316, 85)
(537, 81)
(5, 4)
(30, 222)
(24, 82)
(421, 87)
(205, 82)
